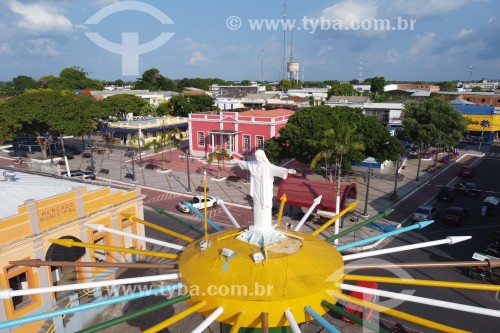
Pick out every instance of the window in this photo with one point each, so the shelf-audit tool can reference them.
(246, 143)
(483, 100)
(211, 139)
(260, 141)
(21, 278)
(201, 139)
(129, 227)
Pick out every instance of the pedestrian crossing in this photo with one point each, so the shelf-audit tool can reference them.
(492, 155)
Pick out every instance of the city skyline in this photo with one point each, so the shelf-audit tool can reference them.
(427, 40)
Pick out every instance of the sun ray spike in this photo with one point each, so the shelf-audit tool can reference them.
(293, 323)
(102, 228)
(178, 220)
(237, 323)
(283, 200)
(426, 283)
(71, 243)
(303, 220)
(423, 300)
(202, 216)
(398, 314)
(175, 318)
(157, 227)
(209, 320)
(427, 264)
(136, 314)
(448, 240)
(322, 321)
(360, 225)
(222, 204)
(418, 225)
(346, 210)
(10, 293)
(354, 318)
(88, 306)
(38, 263)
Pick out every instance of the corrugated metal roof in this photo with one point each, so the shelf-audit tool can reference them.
(31, 186)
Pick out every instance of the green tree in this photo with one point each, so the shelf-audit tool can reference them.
(201, 103)
(165, 140)
(181, 106)
(447, 86)
(342, 89)
(286, 85)
(22, 83)
(122, 104)
(309, 125)
(154, 81)
(434, 120)
(219, 155)
(377, 84)
(164, 109)
(45, 113)
(246, 83)
(273, 150)
(476, 89)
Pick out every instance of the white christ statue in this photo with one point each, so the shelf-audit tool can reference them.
(261, 188)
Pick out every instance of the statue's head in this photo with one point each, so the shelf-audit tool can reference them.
(260, 156)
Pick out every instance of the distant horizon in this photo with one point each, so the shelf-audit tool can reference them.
(411, 40)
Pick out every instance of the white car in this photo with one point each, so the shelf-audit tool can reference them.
(198, 202)
(425, 213)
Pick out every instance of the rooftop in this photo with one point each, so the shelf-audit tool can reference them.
(26, 186)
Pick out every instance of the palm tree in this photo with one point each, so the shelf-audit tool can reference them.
(165, 140)
(219, 155)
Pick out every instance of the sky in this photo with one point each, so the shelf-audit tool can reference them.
(405, 40)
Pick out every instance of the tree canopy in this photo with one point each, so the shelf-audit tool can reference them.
(377, 84)
(342, 89)
(307, 127)
(46, 112)
(154, 81)
(122, 104)
(447, 86)
(432, 121)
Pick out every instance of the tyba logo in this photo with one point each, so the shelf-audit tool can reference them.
(130, 49)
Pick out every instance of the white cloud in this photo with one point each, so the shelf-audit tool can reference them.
(350, 11)
(197, 58)
(425, 8)
(40, 18)
(4, 49)
(43, 47)
(464, 33)
(391, 56)
(423, 44)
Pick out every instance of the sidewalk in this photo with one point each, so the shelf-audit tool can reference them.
(166, 189)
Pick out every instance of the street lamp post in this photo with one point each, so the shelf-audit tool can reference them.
(188, 155)
(484, 124)
(419, 160)
(395, 194)
(133, 166)
(91, 148)
(368, 175)
(140, 155)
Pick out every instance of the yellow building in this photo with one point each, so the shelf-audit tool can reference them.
(37, 208)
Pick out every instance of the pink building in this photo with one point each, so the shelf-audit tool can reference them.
(239, 133)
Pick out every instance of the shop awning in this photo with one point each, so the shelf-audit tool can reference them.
(302, 192)
(227, 132)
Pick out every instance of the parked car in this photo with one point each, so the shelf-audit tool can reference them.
(357, 310)
(79, 174)
(425, 213)
(198, 202)
(467, 172)
(447, 193)
(467, 189)
(455, 215)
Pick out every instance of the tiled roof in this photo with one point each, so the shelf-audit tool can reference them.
(267, 113)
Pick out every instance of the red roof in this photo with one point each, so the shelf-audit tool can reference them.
(302, 192)
(267, 113)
